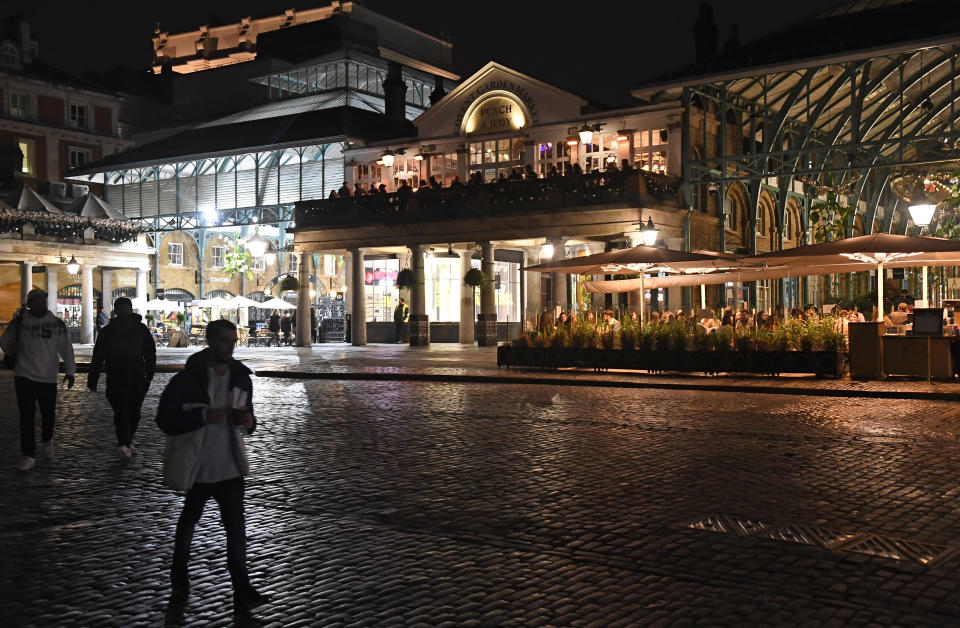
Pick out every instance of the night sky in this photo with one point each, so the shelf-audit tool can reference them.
(598, 52)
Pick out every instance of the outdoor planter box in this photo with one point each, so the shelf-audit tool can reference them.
(819, 363)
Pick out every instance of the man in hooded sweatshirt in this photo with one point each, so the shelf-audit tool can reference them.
(128, 349)
(39, 339)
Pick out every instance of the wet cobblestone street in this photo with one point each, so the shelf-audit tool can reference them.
(377, 503)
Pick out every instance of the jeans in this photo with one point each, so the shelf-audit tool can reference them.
(30, 394)
(126, 402)
(229, 496)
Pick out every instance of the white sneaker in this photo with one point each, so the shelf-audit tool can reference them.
(48, 449)
(26, 463)
(124, 452)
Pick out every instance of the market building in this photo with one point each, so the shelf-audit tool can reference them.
(318, 81)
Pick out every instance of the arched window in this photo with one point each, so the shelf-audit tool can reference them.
(213, 294)
(9, 55)
(177, 294)
(127, 291)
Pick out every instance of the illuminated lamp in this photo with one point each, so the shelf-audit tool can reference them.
(922, 214)
(269, 258)
(73, 266)
(649, 233)
(622, 136)
(586, 134)
(388, 158)
(546, 251)
(418, 157)
(257, 244)
(572, 141)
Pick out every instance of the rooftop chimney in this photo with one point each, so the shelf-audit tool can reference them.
(437, 92)
(733, 38)
(705, 33)
(394, 94)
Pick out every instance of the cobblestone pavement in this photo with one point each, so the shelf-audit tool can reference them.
(382, 503)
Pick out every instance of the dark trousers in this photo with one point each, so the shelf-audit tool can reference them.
(31, 394)
(398, 330)
(126, 402)
(229, 496)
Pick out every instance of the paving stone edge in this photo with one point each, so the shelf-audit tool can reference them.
(779, 389)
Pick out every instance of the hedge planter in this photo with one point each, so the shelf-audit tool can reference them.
(819, 363)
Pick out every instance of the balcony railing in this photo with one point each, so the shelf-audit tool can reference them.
(488, 200)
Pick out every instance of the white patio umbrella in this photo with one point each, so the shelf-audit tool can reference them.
(163, 305)
(276, 304)
(242, 301)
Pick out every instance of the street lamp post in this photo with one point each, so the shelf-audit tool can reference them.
(922, 214)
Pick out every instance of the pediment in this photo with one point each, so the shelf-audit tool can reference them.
(502, 99)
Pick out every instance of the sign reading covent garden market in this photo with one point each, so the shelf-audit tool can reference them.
(497, 105)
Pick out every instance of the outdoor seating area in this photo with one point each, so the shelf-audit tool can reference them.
(741, 341)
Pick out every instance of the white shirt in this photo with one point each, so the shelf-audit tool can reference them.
(217, 461)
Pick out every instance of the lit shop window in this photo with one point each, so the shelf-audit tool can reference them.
(29, 164)
(380, 288)
(442, 281)
(444, 168)
(552, 155)
(496, 158)
(650, 150)
(506, 290)
(367, 176)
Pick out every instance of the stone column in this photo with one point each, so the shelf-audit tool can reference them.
(52, 286)
(26, 280)
(303, 302)
(141, 289)
(106, 290)
(487, 319)
(559, 280)
(358, 316)
(419, 323)
(87, 311)
(467, 301)
(532, 287)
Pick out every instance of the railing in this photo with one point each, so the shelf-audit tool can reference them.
(489, 200)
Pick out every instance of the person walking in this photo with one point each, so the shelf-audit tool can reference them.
(286, 326)
(102, 320)
(211, 399)
(401, 314)
(39, 339)
(127, 348)
(273, 325)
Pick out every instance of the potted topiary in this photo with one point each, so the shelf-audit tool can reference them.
(289, 283)
(476, 278)
(149, 318)
(181, 319)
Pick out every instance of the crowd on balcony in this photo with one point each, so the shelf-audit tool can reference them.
(67, 226)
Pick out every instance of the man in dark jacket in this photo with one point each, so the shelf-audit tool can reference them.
(273, 325)
(214, 393)
(126, 346)
(401, 314)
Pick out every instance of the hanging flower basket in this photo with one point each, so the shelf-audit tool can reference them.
(404, 278)
(476, 278)
(289, 283)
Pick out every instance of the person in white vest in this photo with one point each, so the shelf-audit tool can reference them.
(39, 340)
(205, 411)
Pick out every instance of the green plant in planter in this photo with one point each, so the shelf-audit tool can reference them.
(698, 334)
(829, 335)
(745, 338)
(678, 335)
(661, 334)
(476, 278)
(780, 339)
(724, 339)
(648, 336)
(559, 339)
(181, 318)
(708, 342)
(404, 279)
(607, 339)
(288, 283)
(629, 335)
(149, 318)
